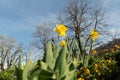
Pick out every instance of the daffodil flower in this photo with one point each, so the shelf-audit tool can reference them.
(94, 52)
(87, 71)
(62, 43)
(60, 29)
(93, 35)
(80, 79)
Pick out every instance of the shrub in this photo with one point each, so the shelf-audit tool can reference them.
(7, 75)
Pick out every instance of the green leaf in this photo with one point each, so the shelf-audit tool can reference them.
(71, 75)
(61, 63)
(27, 69)
(18, 73)
(55, 52)
(42, 75)
(49, 55)
(43, 65)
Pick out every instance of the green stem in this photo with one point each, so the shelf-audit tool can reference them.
(58, 38)
(90, 47)
(79, 44)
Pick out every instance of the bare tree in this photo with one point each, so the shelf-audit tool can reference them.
(9, 52)
(80, 16)
(42, 35)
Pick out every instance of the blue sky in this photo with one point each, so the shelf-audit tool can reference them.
(18, 18)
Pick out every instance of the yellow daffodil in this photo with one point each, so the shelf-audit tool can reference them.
(95, 66)
(81, 68)
(117, 46)
(80, 79)
(97, 71)
(106, 50)
(112, 50)
(60, 29)
(62, 43)
(93, 35)
(87, 71)
(30, 62)
(109, 61)
(102, 61)
(94, 52)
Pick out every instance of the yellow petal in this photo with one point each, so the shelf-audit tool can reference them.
(62, 43)
(60, 29)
